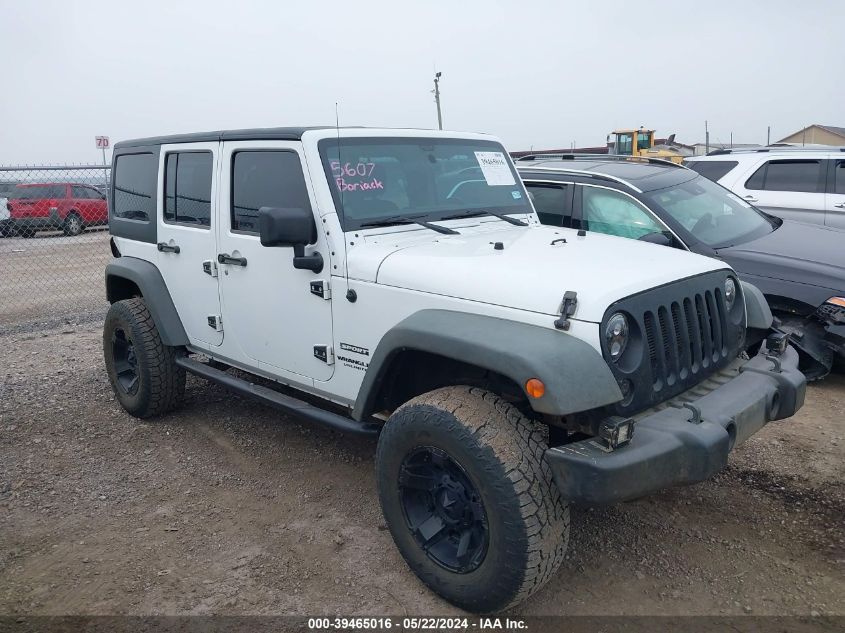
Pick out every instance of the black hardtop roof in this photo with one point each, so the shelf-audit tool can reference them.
(251, 134)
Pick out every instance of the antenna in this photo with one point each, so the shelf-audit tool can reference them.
(337, 129)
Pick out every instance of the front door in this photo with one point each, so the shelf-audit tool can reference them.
(186, 237)
(270, 314)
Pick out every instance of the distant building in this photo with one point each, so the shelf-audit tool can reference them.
(817, 135)
(700, 149)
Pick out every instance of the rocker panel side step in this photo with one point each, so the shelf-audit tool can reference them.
(285, 403)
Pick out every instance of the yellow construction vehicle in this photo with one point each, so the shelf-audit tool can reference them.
(641, 143)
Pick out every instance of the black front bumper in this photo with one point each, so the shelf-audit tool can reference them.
(669, 448)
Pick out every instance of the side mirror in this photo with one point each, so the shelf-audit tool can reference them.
(286, 227)
(290, 227)
(661, 239)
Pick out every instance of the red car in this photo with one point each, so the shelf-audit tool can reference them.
(66, 206)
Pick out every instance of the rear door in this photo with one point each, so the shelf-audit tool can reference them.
(271, 316)
(835, 196)
(188, 212)
(791, 188)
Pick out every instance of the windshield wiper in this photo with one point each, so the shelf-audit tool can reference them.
(404, 219)
(495, 214)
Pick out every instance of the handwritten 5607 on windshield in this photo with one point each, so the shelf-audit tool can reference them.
(347, 176)
(352, 169)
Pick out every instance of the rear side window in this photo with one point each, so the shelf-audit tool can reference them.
(786, 175)
(550, 202)
(265, 179)
(187, 188)
(39, 192)
(712, 169)
(839, 177)
(135, 186)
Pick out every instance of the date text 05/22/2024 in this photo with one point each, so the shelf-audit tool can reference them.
(417, 624)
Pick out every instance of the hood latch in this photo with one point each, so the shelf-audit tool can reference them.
(567, 309)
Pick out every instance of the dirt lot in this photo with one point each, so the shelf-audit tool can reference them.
(224, 507)
(52, 274)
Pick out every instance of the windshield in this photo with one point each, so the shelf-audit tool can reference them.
(711, 213)
(375, 179)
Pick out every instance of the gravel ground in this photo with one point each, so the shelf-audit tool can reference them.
(52, 274)
(224, 507)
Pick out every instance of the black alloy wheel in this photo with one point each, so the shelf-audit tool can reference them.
(125, 361)
(443, 510)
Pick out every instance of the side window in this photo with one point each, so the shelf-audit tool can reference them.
(265, 179)
(613, 213)
(786, 175)
(550, 201)
(80, 193)
(187, 188)
(757, 178)
(135, 186)
(712, 169)
(839, 177)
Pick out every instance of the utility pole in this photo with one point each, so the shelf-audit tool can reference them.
(706, 139)
(769, 135)
(437, 100)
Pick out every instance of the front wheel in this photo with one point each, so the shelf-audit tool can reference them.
(142, 370)
(469, 499)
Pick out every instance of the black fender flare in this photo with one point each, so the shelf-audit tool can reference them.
(576, 376)
(150, 283)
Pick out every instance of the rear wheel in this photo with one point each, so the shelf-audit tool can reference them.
(469, 499)
(73, 224)
(142, 370)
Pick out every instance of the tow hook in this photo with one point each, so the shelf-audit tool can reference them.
(696, 413)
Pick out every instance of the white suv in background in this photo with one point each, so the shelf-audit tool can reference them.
(796, 183)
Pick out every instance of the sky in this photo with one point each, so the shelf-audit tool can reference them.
(537, 74)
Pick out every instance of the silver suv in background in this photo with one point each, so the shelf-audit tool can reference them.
(795, 183)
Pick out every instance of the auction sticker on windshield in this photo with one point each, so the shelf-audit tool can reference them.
(495, 168)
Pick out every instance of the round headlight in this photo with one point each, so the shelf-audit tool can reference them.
(616, 335)
(730, 293)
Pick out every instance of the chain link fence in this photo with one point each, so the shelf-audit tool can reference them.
(53, 243)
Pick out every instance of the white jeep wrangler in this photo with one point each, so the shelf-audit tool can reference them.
(397, 283)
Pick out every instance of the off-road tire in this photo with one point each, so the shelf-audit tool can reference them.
(160, 382)
(73, 224)
(501, 451)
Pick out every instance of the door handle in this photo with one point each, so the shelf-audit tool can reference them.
(841, 205)
(164, 247)
(225, 258)
(751, 198)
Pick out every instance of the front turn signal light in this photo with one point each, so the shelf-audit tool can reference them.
(535, 388)
(837, 301)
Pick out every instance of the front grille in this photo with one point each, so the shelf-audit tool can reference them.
(691, 336)
(681, 334)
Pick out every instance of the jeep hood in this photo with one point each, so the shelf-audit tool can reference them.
(531, 271)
